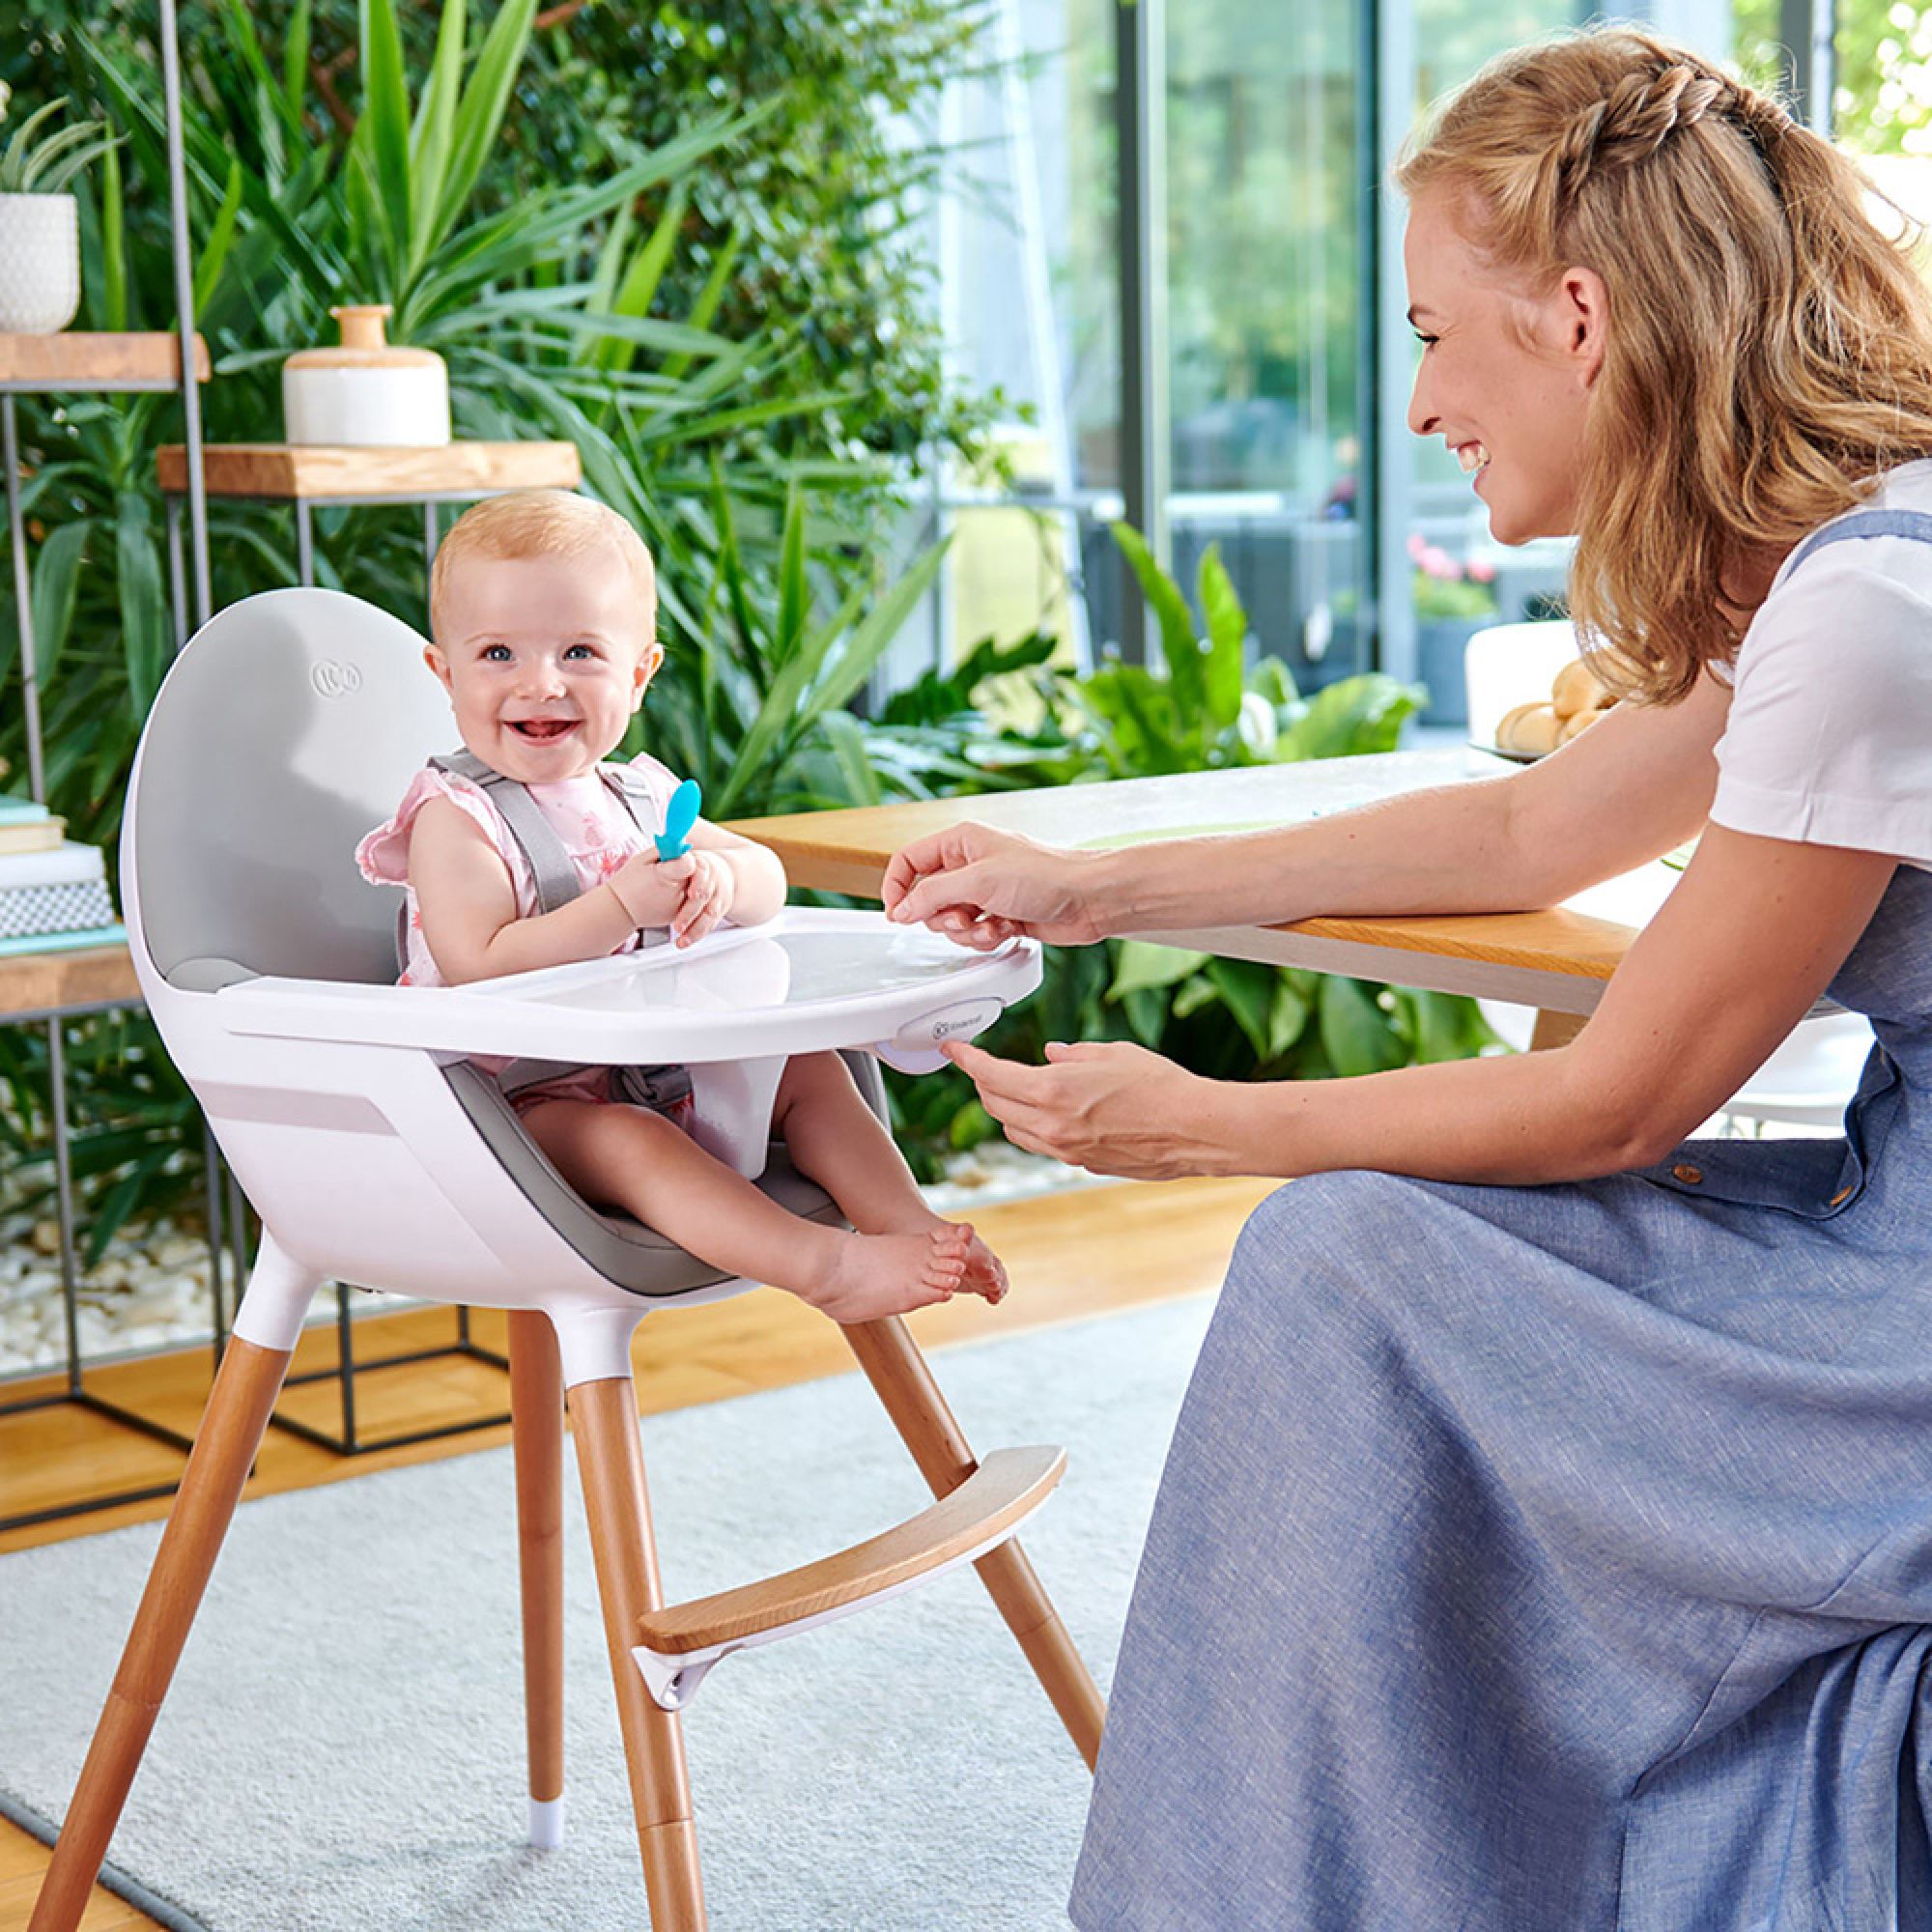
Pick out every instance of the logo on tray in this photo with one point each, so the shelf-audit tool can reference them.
(335, 680)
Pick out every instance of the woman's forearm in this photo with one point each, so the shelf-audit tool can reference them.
(1515, 1120)
(1449, 849)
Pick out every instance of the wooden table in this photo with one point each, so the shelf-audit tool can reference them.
(1557, 961)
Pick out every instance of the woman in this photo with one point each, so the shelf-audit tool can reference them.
(1546, 1544)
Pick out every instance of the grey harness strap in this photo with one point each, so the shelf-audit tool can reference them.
(1913, 523)
(658, 1087)
(536, 839)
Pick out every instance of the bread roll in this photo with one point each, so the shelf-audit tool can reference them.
(1575, 689)
(1579, 722)
(1529, 727)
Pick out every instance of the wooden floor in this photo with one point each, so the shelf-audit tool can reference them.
(1068, 1255)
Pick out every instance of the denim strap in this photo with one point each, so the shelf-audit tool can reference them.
(1913, 523)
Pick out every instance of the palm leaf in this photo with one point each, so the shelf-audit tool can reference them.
(215, 251)
(1227, 639)
(16, 161)
(640, 287)
(873, 636)
(294, 61)
(56, 576)
(706, 307)
(385, 115)
(1178, 642)
(434, 131)
(477, 117)
(113, 244)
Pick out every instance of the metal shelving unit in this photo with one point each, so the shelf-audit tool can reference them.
(53, 988)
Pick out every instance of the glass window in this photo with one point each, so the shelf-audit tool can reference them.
(1264, 277)
(1028, 287)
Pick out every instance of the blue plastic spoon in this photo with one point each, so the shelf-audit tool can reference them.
(680, 816)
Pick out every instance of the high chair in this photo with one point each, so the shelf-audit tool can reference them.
(376, 1153)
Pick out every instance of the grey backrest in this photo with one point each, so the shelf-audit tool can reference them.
(289, 727)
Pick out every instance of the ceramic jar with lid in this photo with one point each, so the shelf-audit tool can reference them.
(366, 392)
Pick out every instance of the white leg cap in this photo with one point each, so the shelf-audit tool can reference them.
(546, 1823)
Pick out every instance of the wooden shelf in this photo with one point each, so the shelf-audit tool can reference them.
(88, 360)
(87, 975)
(316, 473)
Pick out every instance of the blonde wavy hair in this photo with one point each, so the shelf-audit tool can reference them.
(542, 523)
(1769, 349)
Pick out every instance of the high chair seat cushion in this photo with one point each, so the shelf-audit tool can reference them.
(622, 1250)
(210, 976)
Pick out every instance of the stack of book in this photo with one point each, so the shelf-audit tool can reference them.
(53, 894)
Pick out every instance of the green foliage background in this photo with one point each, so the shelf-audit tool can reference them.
(678, 237)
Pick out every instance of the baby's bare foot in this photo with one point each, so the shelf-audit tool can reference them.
(983, 1274)
(875, 1275)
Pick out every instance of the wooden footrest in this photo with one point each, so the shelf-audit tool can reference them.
(1007, 1488)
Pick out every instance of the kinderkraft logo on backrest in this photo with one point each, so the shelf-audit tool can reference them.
(332, 679)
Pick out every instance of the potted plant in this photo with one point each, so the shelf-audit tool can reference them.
(40, 225)
(1453, 601)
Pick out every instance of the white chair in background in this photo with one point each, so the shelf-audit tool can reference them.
(1809, 1081)
(376, 1153)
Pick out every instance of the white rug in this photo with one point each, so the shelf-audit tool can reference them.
(342, 1749)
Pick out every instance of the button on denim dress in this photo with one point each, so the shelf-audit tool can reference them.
(1555, 1558)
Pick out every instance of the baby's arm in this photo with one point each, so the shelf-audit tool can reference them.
(469, 904)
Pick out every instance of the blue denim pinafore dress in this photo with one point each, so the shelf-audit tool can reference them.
(1555, 1558)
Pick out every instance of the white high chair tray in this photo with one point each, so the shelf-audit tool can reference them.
(805, 982)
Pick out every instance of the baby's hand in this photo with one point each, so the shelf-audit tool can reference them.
(653, 890)
(708, 895)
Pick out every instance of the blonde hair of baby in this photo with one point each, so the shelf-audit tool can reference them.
(541, 522)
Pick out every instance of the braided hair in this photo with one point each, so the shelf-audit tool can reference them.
(1768, 350)
(1642, 111)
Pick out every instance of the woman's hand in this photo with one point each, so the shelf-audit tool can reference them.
(710, 892)
(982, 888)
(1103, 1105)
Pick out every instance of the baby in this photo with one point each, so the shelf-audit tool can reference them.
(543, 606)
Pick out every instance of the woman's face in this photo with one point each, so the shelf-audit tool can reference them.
(1506, 375)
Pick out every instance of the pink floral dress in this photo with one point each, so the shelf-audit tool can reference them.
(598, 834)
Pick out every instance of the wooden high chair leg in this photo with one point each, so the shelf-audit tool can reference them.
(898, 1372)
(604, 1417)
(536, 1438)
(244, 1391)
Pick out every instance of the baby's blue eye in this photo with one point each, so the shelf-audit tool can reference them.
(575, 648)
(497, 653)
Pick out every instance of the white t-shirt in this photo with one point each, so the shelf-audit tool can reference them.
(1830, 735)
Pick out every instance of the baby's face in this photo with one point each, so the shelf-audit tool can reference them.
(545, 660)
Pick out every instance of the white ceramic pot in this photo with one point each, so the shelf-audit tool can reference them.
(39, 263)
(365, 393)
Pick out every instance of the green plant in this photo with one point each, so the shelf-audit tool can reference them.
(762, 683)
(815, 212)
(36, 163)
(552, 302)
